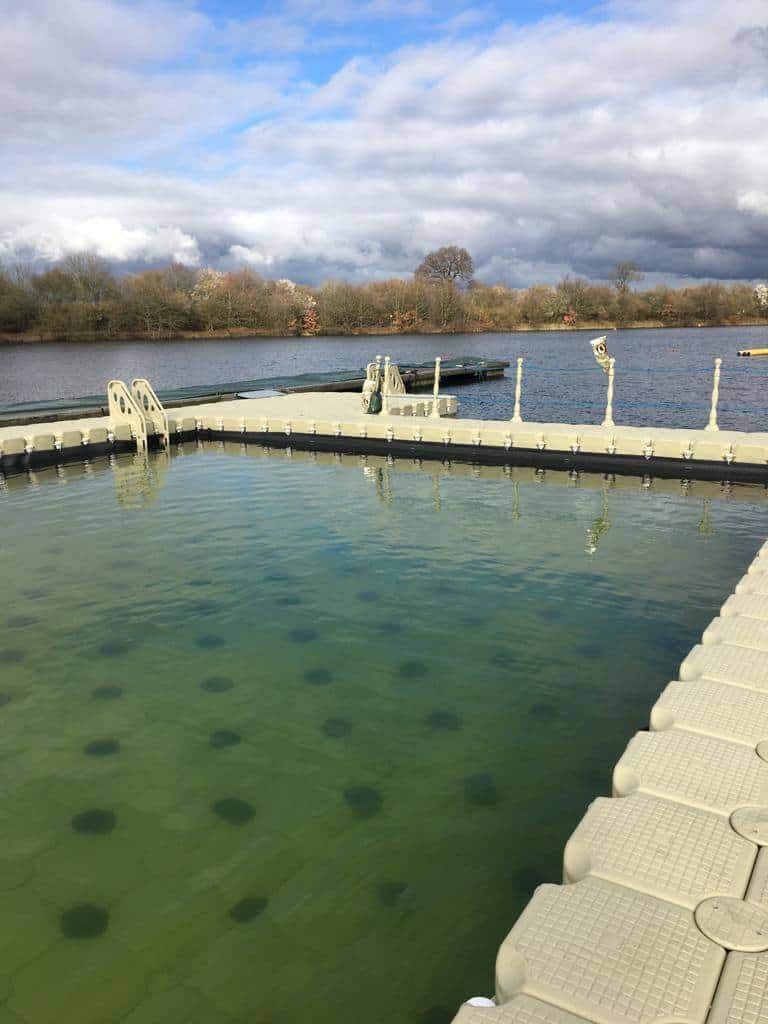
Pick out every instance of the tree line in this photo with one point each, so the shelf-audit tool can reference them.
(81, 298)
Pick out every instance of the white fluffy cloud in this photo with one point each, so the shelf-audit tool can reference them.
(561, 146)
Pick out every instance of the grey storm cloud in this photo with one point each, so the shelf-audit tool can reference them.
(558, 147)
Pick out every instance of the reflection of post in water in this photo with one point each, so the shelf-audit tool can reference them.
(437, 501)
(600, 526)
(139, 477)
(516, 513)
(381, 481)
(706, 529)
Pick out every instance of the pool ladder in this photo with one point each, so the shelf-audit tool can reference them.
(140, 408)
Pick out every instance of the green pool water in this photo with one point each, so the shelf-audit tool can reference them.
(292, 740)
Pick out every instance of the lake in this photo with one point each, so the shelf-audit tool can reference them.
(562, 381)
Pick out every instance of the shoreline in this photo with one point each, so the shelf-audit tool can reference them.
(243, 333)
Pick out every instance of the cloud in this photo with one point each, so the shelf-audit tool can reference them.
(558, 146)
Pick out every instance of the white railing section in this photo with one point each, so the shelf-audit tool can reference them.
(123, 408)
(152, 407)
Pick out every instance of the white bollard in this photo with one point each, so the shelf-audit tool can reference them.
(516, 417)
(436, 390)
(712, 425)
(385, 387)
(608, 421)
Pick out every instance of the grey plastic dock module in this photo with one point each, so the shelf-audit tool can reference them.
(694, 769)
(727, 663)
(609, 954)
(655, 845)
(717, 709)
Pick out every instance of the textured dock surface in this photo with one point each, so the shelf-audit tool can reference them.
(663, 912)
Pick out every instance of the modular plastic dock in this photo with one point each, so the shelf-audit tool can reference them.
(663, 912)
(407, 427)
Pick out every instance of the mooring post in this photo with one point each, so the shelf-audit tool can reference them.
(436, 389)
(516, 417)
(385, 387)
(608, 421)
(712, 425)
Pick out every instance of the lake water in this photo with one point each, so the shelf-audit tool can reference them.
(290, 740)
(562, 382)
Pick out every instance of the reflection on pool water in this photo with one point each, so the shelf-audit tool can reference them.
(292, 740)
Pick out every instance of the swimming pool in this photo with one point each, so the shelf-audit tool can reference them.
(292, 738)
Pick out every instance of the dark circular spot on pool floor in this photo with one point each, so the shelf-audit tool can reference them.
(442, 720)
(412, 669)
(22, 621)
(388, 893)
(318, 676)
(84, 921)
(209, 640)
(217, 684)
(234, 811)
(12, 655)
(337, 727)
(95, 822)
(102, 748)
(4, 699)
(481, 790)
(113, 648)
(389, 627)
(543, 712)
(590, 650)
(368, 596)
(107, 692)
(302, 635)
(248, 909)
(501, 659)
(364, 801)
(225, 738)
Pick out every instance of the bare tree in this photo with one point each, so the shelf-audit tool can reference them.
(625, 274)
(447, 264)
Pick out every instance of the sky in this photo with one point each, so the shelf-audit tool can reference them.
(334, 139)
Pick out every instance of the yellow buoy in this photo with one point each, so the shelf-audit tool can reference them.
(753, 352)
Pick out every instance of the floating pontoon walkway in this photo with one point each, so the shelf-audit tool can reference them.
(335, 422)
(663, 914)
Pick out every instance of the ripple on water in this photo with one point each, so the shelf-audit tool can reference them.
(22, 621)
